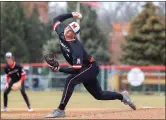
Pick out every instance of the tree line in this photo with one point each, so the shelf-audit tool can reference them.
(23, 36)
(28, 38)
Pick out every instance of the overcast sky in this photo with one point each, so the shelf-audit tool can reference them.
(63, 4)
(56, 7)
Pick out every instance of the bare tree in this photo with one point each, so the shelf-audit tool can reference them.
(162, 8)
(128, 11)
(111, 12)
(55, 9)
(108, 15)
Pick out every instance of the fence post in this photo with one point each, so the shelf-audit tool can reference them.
(159, 86)
(112, 78)
(30, 76)
(102, 78)
(107, 80)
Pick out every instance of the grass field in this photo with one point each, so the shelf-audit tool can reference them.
(84, 106)
(78, 100)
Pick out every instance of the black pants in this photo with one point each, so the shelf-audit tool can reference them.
(22, 90)
(87, 76)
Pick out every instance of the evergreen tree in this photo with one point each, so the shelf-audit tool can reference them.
(12, 31)
(53, 46)
(24, 36)
(36, 34)
(146, 39)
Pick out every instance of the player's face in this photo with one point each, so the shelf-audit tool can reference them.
(9, 61)
(69, 33)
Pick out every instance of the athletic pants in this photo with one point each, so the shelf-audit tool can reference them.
(87, 76)
(22, 90)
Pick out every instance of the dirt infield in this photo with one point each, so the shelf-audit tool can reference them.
(141, 113)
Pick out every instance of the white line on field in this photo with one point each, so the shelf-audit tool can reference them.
(148, 107)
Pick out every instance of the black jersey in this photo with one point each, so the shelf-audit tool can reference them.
(14, 73)
(73, 51)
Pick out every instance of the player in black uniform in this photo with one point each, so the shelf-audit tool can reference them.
(84, 68)
(14, 71)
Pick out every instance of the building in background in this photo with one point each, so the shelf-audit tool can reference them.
(117, 38)
(42, 9)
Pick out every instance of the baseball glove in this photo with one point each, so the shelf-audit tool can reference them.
(51, 61)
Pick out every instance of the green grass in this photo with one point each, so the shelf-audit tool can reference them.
(78, 100)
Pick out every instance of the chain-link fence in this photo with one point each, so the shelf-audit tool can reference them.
(146, 79)
(40, 77)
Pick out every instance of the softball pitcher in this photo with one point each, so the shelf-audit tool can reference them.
(84, 69)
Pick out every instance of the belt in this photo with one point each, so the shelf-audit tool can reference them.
(88, 62)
